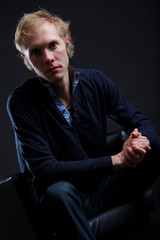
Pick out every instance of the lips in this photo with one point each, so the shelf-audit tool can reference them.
(52, 69)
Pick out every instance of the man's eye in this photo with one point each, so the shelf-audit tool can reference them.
(53, 44)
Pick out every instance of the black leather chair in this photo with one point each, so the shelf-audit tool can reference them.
(21, 217)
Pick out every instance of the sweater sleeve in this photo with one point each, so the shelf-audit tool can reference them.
(34, 152)
(124, 113)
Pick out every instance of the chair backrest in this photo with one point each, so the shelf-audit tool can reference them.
(114, 142)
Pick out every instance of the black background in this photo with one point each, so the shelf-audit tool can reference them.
(120, 38)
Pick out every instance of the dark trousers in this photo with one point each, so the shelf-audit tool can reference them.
(68, 209)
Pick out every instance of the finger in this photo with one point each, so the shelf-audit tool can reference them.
(141, 148)
(140, 142)
(135, 155)
(135, 133)
(140, 138)
(129, 162)
(132, 162)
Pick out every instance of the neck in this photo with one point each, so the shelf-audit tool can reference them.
(62, 90)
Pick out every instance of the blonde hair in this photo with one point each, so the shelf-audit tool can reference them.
(28, 22)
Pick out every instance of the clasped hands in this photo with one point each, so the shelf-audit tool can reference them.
(133, 151)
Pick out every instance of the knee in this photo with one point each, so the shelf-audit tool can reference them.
(61, 192)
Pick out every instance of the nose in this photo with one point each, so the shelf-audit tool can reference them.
(48, 56)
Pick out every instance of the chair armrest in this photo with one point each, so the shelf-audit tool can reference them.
(14, 221)
(156, 147)
(114, 142)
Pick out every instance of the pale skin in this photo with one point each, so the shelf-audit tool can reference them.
(46, 52)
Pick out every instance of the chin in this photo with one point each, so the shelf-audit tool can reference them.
(55, 78)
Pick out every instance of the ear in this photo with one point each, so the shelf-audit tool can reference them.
(67, 41)
(26, 62)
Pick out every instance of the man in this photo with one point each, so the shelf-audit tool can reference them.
(59, 121)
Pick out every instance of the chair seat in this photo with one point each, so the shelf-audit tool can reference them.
(118, 218)
(21, 218)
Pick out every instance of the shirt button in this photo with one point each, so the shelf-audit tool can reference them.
(63, 111)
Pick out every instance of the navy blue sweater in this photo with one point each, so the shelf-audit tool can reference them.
(52, 150)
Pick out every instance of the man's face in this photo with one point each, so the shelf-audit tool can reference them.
(46, 52)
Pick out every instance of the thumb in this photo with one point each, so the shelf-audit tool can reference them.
(135, 133)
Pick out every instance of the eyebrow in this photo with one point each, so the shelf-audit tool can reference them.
(40, 46)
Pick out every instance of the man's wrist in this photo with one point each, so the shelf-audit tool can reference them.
(117, 161)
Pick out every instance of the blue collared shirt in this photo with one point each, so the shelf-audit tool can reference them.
(59, 104)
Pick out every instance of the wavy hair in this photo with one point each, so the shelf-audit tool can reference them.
(29, 21)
